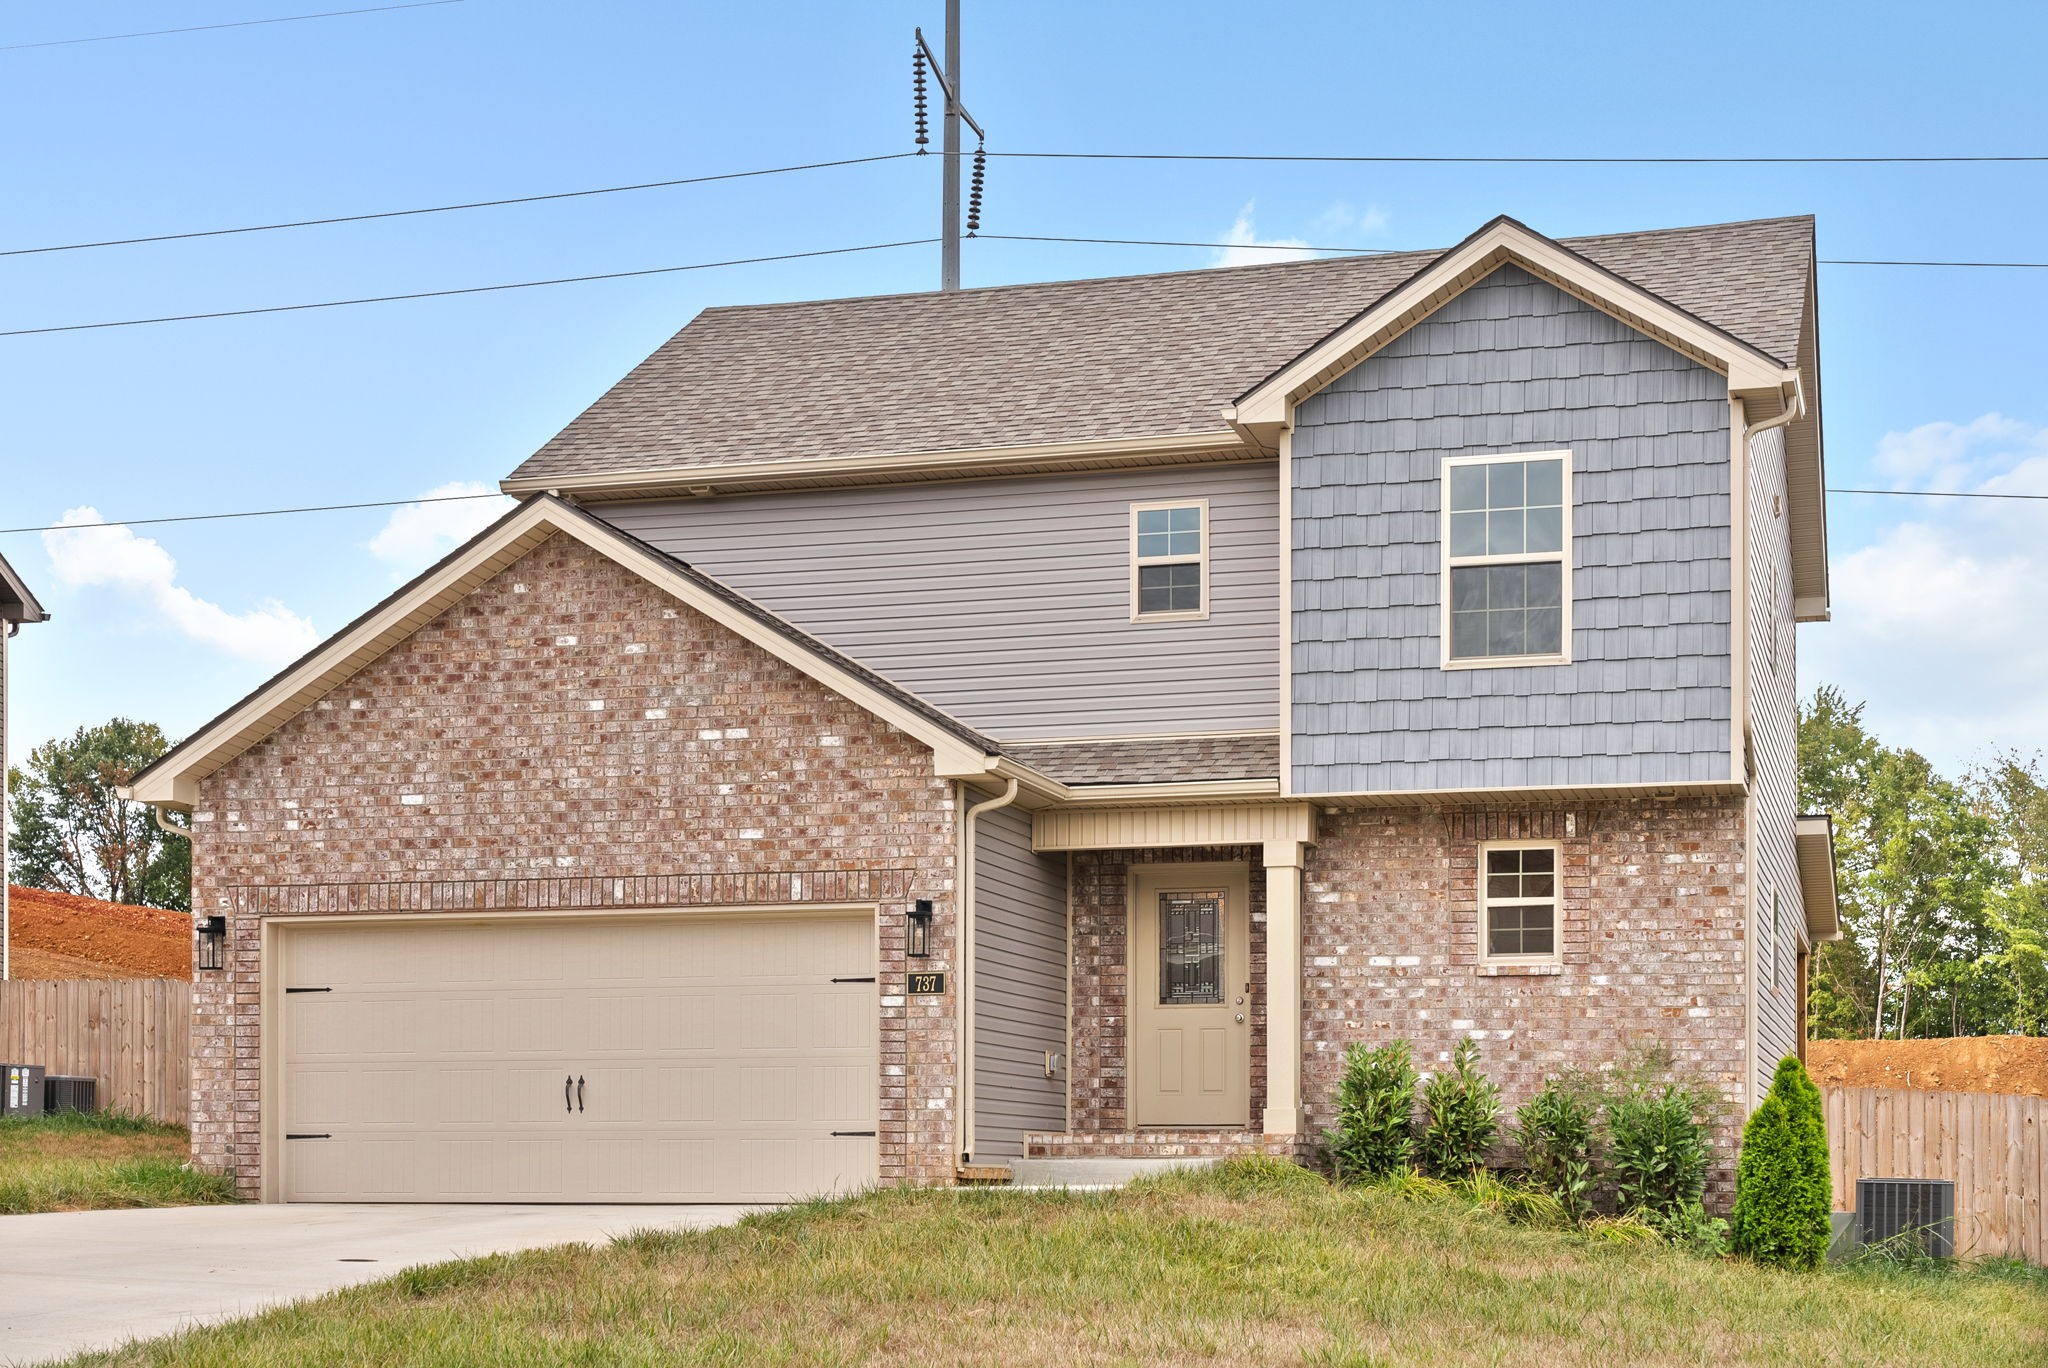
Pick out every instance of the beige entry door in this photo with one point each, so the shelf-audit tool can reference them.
(1190, 979)
(653, 1058)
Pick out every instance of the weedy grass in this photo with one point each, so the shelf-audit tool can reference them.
(1249, 1263)
(87, 1161)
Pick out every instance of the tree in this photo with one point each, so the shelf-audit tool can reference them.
(1782, 1192)
(1916, 881)
(74, 835)
(2012, 795)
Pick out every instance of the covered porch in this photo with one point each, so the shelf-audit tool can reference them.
(1185, 972)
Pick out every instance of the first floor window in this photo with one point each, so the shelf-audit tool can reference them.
(1506, 558)
(1518, 902)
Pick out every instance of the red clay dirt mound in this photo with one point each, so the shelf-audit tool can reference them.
(1991, 1064)
(62, 935)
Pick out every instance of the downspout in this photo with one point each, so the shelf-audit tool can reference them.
(1791, 408)
(6, 929)
(963, 973)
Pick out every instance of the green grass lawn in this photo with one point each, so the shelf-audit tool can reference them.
(1236, 1266)
(83, 1161)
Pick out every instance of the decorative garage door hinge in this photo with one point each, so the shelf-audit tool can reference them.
(307, 1135)
(840, 1133)
(309, 990)
(869, 979)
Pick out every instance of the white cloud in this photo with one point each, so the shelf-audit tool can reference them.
(1247, 248)
(1339, 226)
(88, 553)
(418, 534)
(1941, 623)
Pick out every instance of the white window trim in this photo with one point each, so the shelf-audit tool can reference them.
(1445, 562)
(1556, 955)
(1200, 614)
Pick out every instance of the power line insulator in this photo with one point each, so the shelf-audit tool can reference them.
(974, 188)
(918, 91)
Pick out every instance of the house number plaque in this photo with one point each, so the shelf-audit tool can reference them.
(924, 984)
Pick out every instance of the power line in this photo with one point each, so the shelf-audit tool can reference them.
(240, 23)
(251, 513)
(1937, 494)
(466, 290)
(449, 208)
(460, 498)
(1304, 247)
(1520, 161)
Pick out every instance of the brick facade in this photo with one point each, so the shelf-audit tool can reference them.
(1653, 945)
(568, 736)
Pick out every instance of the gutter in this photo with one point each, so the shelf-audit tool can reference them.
(963, 970)
(1793, 407)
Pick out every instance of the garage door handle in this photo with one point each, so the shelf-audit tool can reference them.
(568, 1082)
(579, 1092)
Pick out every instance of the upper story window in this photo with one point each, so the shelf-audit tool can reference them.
(1518, 903)
(1170, 560)
(1507, 533)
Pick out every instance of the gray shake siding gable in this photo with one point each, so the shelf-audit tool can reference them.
(1513, 364)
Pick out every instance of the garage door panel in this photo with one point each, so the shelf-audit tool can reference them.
(717, 1059)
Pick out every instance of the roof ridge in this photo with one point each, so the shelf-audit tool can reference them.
(1363, 254)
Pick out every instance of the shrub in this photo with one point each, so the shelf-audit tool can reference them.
(1516, 1202)
(1556, 1130)
(1375, 1132)
(1461, 1116)
(1658, 1150)
(1782, 1193)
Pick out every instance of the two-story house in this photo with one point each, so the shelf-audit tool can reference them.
(903, 733)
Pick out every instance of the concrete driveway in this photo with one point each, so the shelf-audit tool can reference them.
(93, 1279)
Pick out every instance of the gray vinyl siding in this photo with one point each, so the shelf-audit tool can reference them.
(1774, 742)
(1513, 364)
(1020, 985)
(1007, 602)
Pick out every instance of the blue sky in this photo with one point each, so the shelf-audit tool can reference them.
(1934, 379)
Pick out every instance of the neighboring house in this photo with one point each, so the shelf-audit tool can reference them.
(908, 732)
(70, 936)
(17, 605)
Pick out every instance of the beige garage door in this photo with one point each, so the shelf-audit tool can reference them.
(645, 1059)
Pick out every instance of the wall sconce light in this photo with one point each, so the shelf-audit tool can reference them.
(213, 942)
(917, 930)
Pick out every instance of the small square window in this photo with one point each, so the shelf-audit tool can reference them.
(1518, 897)
(1169, 560)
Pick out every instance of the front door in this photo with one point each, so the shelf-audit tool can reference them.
(1190, 980)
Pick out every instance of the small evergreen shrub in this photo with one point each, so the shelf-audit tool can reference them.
(1782, 1192)
(1375, 1131)
(1460, 1116)
(1658, 1150)
(1557, 1130)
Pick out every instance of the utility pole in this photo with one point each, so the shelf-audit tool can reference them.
(949, 147)
(947, 73)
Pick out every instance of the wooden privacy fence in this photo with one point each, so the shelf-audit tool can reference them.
(1989, 1144)
(133, 1035)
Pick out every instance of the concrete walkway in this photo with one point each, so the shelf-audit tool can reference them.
(79, 1280)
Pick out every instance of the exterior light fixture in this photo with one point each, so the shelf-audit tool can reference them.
(213, 942)
(917, 930)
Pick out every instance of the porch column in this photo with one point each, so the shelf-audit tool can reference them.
(1283, 988)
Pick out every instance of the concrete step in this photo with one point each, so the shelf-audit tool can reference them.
(1093, 1172)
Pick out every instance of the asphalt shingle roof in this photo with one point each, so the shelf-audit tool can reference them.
(1162, 760)
(1078, 360)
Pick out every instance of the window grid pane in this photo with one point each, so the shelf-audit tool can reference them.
(1170, 588)
(1190, 948)
(1507, 610)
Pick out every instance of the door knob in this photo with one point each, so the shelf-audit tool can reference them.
(1240, 1018)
